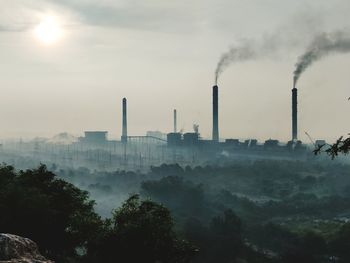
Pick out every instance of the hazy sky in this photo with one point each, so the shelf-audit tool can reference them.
(162, 55)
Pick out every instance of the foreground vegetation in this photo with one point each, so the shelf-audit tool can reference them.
(263, 211)
(61, 219)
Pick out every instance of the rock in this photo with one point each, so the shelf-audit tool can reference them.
(16, 249)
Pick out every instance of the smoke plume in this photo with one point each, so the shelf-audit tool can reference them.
(321, 46)
(242, 52)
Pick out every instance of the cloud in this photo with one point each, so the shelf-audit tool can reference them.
(6, 28)
(149, 15)
(23, 15)
(170, 16)
(183, 16)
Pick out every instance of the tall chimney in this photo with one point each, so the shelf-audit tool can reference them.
(294, 114)
(175, 121)
(125, 123)
(215, 114)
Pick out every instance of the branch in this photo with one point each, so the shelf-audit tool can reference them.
(341, 146)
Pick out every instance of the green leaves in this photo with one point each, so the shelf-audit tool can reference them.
(142, 231)
(53, 213)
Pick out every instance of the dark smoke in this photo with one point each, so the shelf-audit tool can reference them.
(322, 45)
(242, 52)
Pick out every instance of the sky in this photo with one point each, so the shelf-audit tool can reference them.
(162, 55)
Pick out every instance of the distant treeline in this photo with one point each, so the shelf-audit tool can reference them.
(261, 211)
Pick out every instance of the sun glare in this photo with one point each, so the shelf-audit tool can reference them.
(49, 31)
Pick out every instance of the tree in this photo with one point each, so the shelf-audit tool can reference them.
(341, 146)
(181, 197)
(226, 231)
(55, 214)
(141, 231)
(340, 243)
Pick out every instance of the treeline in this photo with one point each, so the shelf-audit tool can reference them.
(61, 219)
(257, 180)
(202, 214)
(273, 179)
(300, 228)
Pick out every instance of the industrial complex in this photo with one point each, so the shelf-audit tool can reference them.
(137, 152)
(193, 139)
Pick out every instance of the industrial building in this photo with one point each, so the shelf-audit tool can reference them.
(191, 142)
(138, 152)
(94, 137)
(186, 140)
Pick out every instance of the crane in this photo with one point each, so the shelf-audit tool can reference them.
(312, 141)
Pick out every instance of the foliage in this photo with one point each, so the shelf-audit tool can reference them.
(53, 213)
(251, 211)
(341, 146)
(182, 197)
(221, 241)
(340, 243)
(141, 231)
(61, 219)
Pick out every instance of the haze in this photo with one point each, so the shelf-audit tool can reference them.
(162, 55)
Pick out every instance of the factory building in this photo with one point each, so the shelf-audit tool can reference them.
(156, 134)
(232, 142)
(94, 137)
(319, 143)
(174, 139)
(191, 139)
(271, 144)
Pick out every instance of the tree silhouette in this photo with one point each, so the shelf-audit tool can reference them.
(141, 231)
(53, 213)
(341, 146)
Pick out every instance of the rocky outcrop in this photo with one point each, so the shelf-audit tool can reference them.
(16, 249)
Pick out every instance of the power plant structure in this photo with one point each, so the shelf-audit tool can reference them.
(192, 140)
(155, 148)
(294, 114)
(124, 137)
(215, 135)
(175, 121)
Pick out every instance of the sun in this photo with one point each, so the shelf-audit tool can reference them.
(49, 31)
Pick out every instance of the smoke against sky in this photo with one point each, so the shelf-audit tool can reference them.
(161, 55)
(321, 46)
(241, 52)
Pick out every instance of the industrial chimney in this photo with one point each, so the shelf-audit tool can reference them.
(294, 114)
(215, 114)
(175, 121)
(125, 124)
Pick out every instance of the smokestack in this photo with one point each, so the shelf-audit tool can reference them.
(175, 121)
(125, 124)
(294, 114)
(215, 114)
